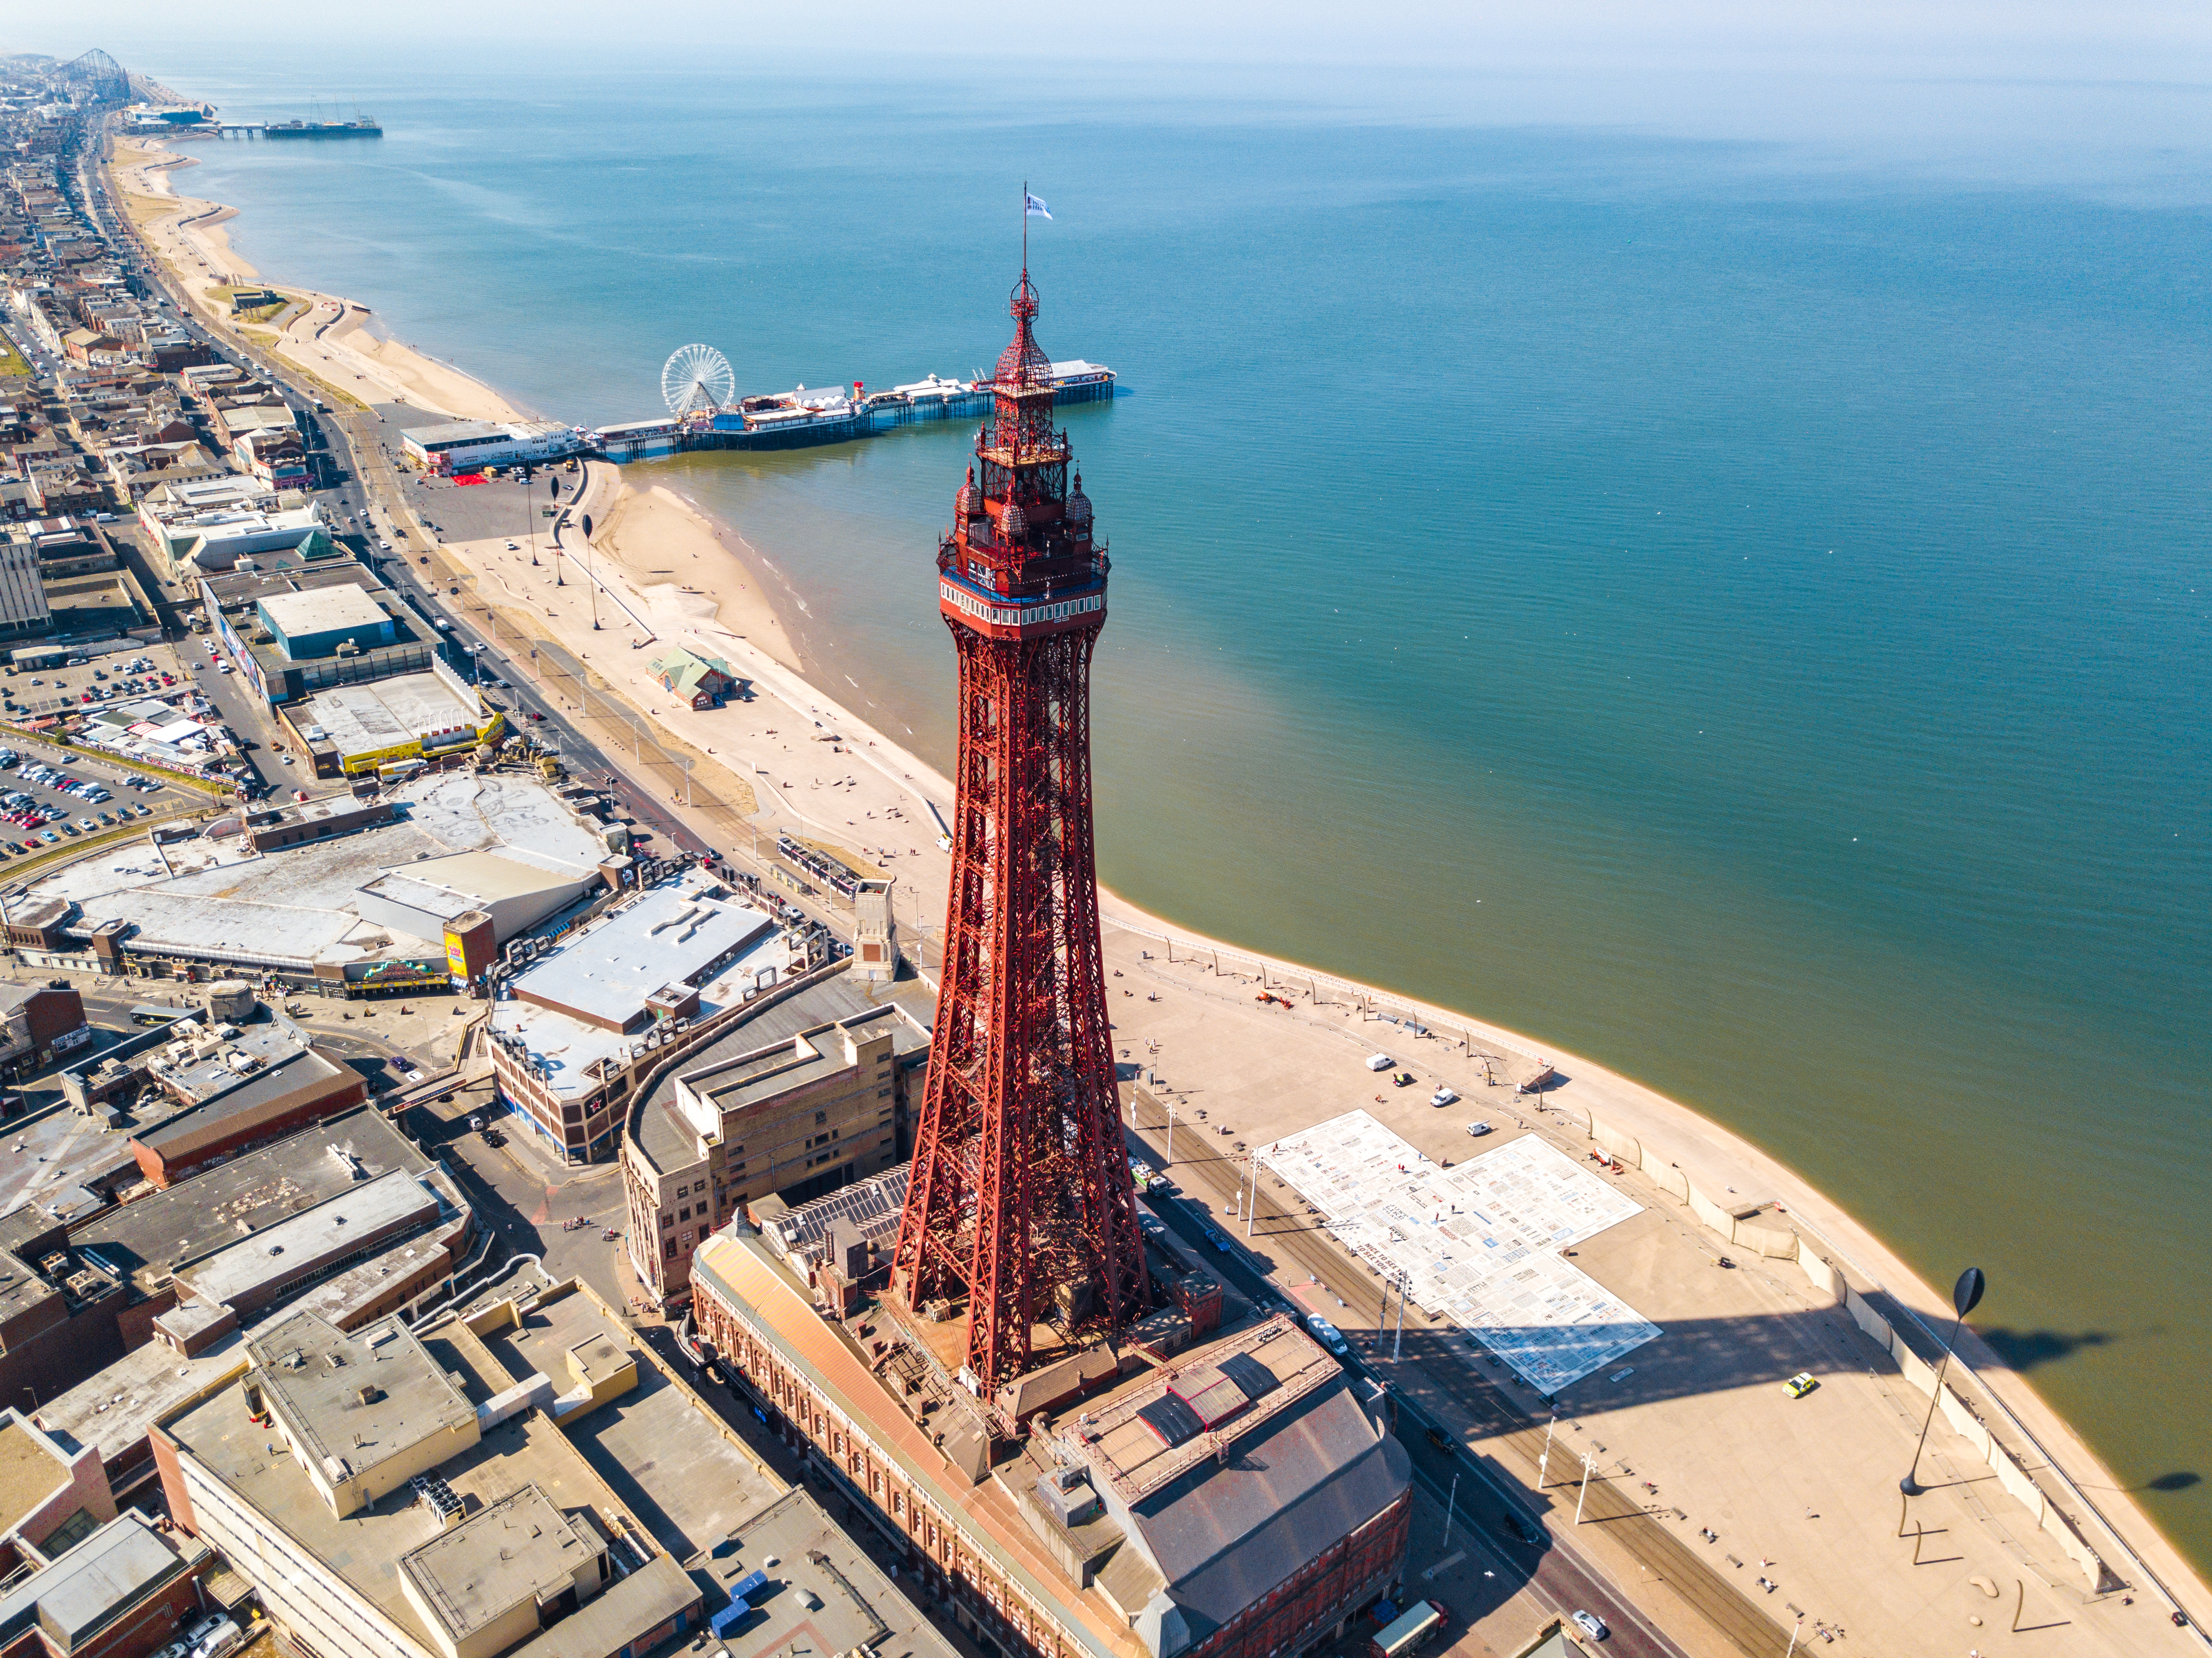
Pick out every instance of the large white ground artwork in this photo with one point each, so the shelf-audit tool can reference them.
(1479, 1243)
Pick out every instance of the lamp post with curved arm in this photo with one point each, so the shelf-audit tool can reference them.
(1965, 1296)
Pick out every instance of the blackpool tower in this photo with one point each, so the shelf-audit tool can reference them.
(1020, 1211)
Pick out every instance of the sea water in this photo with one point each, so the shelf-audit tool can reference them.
(1731, 601)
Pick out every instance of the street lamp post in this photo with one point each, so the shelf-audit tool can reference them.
(1965, 1296)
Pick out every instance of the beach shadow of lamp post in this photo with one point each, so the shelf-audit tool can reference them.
(1965, 1296)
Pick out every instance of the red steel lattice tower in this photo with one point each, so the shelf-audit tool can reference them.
(1020, 1204)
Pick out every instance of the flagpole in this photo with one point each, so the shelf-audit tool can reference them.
(1026, 227)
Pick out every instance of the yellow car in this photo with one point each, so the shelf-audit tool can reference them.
(1801, 1384)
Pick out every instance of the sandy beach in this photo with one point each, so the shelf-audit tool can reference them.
(587, 622)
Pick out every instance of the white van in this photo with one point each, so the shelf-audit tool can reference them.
(1327, 1334)
(225, 1639)
(1380, 1062)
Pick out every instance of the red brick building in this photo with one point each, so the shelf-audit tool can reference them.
(1236, 1501)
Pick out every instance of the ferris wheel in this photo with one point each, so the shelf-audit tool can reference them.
(697, 380)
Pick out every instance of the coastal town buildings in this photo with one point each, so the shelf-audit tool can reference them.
(506, 1479)
(38, 1022)
(346, 1214)
(350, 728)
(288, 662)
(354, 896)
(1232, 1498)
(805, 1094)
(470, 444)
(655, 978)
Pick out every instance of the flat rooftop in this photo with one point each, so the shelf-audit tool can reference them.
(116, 1409)
(29, 1472)
(715, 1507)
(669, 935)
(221, 904)
(365, 1547)
(74, 1597)
(334, 1228)
(519, 1549)
(148, 1240)
(321, 609)
(570, 1047)
(860, 1609)
(313, 1373)
(239, 589)
(464, 881)
(678, 1469)
(388, 714)
(808, 1057)
(268, 1050)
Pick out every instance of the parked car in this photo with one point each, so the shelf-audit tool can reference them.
(203, 1625)
(1590, 1624)
(1380, 1062)
(225, 1639)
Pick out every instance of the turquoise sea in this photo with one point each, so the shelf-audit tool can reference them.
(1725, 594)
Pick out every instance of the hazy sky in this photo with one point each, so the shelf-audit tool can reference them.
(2161, 39)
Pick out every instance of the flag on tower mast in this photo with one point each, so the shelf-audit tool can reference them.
(1035, 206)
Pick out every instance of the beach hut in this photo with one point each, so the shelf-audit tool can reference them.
(701, 680)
